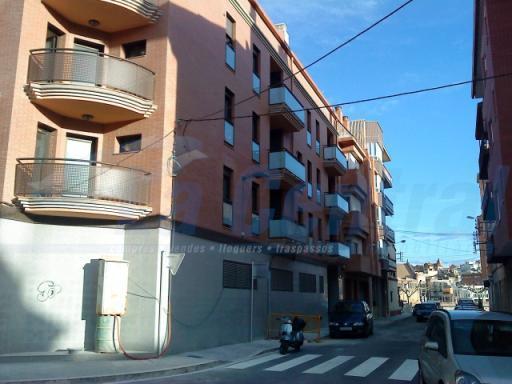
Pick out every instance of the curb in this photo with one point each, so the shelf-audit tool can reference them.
(137, 375)
(122, 377)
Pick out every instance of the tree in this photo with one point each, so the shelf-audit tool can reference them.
(408, 290)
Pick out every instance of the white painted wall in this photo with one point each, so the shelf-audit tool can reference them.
(33, 259)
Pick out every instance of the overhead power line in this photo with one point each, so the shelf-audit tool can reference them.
(447, 234)
(325, 55)
(360, 101)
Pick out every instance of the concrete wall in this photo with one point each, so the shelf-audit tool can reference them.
(36, 259)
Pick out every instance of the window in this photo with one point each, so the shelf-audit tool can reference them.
(317, 144)
(310, 180)
(320, 236)
(307, 282)
(308, 129)
(230, 42)
(134, 49)
(321, 288)
(281, 280)
(132, 143)
(310, 225)
(318, 187)
(255, 208)
(300, 216)
(236, 275)
(53, 37)
(229, 129)
(256, 79)
(226, 186)
(255, 198)
(255, 137)
(45, 142)
(436, 332)
(227, 204)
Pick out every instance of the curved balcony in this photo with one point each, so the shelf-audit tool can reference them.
(90, 86)
(81, 189)
(107, 15)
(286, 112)
(286, 171)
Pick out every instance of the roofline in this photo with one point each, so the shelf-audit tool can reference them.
(268, 22)
(476, 33)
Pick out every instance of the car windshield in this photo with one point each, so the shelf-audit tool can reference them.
(346, 307)
(482, 337)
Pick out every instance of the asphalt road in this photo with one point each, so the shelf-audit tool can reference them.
(389, 356)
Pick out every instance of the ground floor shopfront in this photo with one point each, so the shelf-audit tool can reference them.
(49, 280)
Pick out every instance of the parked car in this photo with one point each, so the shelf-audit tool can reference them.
(423, 311)
(351, 317)
(471, 347)
(467, 307)
(466, 302)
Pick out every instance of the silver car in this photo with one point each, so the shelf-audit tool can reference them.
(467, 347)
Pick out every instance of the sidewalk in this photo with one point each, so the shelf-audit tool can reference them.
(393, 319)
(88, 367)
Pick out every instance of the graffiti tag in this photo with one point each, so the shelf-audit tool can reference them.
(48, 290)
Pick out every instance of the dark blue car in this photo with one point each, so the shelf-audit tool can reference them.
(423, 311)
(351, 317)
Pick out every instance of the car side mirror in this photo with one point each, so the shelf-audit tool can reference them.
(432, 346)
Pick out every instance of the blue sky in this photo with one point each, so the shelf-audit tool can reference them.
(430, 137)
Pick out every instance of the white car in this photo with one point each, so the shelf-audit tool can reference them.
(467, 347)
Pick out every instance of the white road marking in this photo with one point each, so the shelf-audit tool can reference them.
(257, 361)
(370, 365)
(406, 371)
(328, 365)
(292, 363)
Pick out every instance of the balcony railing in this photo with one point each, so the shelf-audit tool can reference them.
(389, 234)
(335, 161)
(90, 68)
(310, 190)
(336, 202)
(287, 229)
(384, 172)
(285, 161)
(353, 182)
(356, 224)
(338, 250)
(282, 100)
(386, 203)
(74, 185)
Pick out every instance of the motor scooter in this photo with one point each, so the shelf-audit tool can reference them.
(292, 335)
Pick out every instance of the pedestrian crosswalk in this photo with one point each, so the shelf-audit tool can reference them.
(317, 364)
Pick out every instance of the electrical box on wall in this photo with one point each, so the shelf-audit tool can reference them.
(112, 287)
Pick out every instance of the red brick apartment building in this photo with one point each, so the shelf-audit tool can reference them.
(99, 160)
(492, 56)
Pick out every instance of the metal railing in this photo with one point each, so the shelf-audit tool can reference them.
(62, 65)
(334, 153)
(285, 160)
(339, 249)
(389, 233)
(288, 229)
(57, 177)
(335, 200)
(282, 95)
